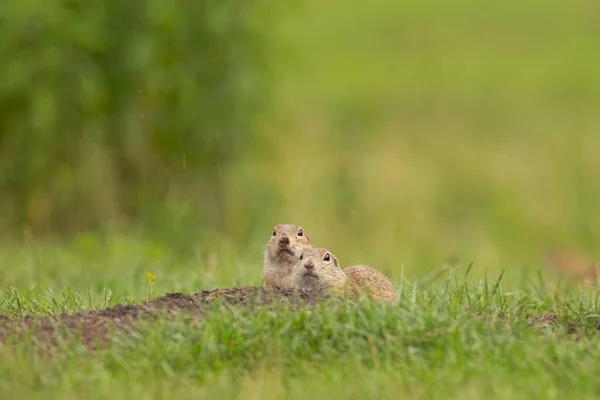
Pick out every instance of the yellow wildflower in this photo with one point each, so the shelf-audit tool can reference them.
(151, 278)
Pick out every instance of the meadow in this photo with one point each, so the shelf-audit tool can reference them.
(452, 338)
(452, 145)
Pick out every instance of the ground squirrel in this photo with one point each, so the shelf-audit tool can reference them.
(572, 264)
(319, 269)
(282, 252)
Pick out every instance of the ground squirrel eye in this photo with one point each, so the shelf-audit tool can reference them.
(274, 232)
(301, 256)
(300, 232)
(327, 257)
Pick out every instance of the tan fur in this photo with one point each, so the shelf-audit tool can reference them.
(363, 277)
(281, 253)
(572, 264)
(326, 275)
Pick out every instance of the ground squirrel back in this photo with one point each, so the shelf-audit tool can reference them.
(282, 252)
(365, 277)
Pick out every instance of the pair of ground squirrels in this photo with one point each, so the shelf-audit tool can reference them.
(292, 263)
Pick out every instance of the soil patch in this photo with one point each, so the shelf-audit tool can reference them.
(94, 327)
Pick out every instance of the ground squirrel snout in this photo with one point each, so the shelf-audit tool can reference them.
(282, 252)
(318, 269)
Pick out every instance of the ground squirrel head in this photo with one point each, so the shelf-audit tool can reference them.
(282, 251)
(317, 269)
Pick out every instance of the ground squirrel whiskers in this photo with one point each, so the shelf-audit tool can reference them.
(282, 252)
(319, 269)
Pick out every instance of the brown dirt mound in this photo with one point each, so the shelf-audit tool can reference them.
(93, 328)
(96, 326)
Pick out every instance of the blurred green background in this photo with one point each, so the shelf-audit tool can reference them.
(172, 136)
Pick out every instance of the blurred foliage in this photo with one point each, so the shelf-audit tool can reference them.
(444, 130)
(109, 110)
(397, 134)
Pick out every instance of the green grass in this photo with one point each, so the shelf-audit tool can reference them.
(451, 337)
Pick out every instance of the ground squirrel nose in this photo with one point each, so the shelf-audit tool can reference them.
(309, 266)
(284, 240)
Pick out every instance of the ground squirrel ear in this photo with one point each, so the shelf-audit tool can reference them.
(307, 237)
(336, 262)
